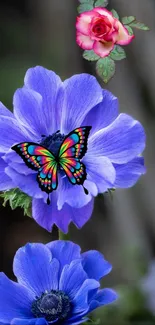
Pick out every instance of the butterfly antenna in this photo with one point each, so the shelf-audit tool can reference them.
(85, 190)
(48, 200)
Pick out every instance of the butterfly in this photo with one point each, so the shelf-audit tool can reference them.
(39, 158)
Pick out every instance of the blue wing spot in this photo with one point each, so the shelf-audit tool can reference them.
(30, 149)
(75, 137)
(78, 165)
(38, 158)
(42, 175)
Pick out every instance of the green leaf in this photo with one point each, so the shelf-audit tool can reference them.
(139, 25)
(118, 53)
(84, 7)
(128, 20)
(91, 2)
(130, 30)
(101, 3)
(105, 68)
(115, 14)
(17, 199)
(90, 55)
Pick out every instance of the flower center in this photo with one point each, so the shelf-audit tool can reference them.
(53, 142)
(53, 305)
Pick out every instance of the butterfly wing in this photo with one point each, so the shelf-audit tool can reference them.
(75, 143)
(42, 160)
(47, 177)
(71, 151)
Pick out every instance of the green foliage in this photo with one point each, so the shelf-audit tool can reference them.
(91, 2)
(101, 3)
(128, 20)
(115, 14)
(90, 55)
(105, 68)
(130, 30)
(118, 53)
(17, 199)
(131, 22)
(84, 7)
(139, 25)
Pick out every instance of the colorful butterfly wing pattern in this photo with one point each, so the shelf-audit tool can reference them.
(42, 160)
(71, 151)
(47, 177)
(75, 144)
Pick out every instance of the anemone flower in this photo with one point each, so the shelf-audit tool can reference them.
(104, 146)
(56, 285)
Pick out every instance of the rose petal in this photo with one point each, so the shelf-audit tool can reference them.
(104, 12)
(84, 41)
(103, 49)
(83, 21)
(123, 35)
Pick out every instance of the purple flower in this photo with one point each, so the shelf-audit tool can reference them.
(56, 285)
(45, 105)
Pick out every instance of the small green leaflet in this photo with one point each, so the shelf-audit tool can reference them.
(84, 7)
(128, 20)
(130, 30)
(17, 199)
(101, 3)
(115, 14)
(90, 55)
(118, 53)
(105, 68)
(138, 25)
(91, 2)
(131, 21)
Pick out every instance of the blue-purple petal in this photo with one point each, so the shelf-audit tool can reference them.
(103, 114)
(64, 251)
(35, 268)
(82, 93)
(29, 111)
(48, 215)
(95, 265)
(32, 321)
(101, 171)
(4, 111)
(103, 297)
(72, 195)
(121, 141)
(15, 300)
(72, 278)
(5, 181)
(27, 183)
(15, 135)
(48, 85)
(128, 174)
(81, 301)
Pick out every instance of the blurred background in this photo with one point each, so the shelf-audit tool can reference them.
(36, 32)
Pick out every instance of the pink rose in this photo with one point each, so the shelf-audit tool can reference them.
(99, 30)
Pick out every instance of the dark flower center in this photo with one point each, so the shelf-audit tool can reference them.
(53, 142)
(53, 305)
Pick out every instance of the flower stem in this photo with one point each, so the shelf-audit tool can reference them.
(63, 236)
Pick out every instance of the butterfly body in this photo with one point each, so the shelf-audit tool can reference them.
(67, 160)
